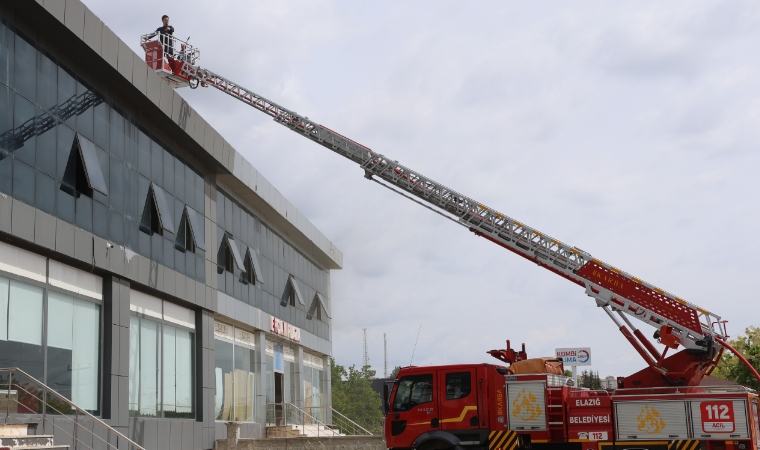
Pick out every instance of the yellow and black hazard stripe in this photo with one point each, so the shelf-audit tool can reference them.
(502, 440)
(688, 444)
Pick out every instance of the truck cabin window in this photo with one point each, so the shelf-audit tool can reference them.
(412, 391)
(458, 385)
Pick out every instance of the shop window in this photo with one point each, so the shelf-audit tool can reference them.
(83, 173)
(317, 306)
(235, 376)
(190, 232)
(156, 217)
(291, 293)
(161, 382)
(68, 358)
(252, 268)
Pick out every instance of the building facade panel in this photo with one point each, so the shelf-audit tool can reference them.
(110, 287)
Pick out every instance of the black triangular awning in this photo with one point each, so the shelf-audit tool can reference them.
(251, 256)
(156, 204)
(83, 173)
(291, 285)
(317, 302)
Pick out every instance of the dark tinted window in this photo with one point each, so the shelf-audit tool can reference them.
(412, 391)
(458, 385)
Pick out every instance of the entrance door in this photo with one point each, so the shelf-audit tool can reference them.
(458, 394)
(278, 399)
(413, 410)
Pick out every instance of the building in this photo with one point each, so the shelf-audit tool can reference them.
(148, 272)
(609, 382)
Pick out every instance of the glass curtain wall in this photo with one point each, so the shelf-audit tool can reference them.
(72, 341)
(160, 370)
(43, 105)
(235, 380)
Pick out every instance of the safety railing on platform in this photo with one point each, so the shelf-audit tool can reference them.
(312, 420)
(24, 399)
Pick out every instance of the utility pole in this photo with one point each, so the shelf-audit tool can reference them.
(366, 352)
(385, 357)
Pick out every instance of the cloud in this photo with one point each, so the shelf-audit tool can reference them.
(628, 130)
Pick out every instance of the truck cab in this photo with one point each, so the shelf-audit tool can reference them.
(441, 406)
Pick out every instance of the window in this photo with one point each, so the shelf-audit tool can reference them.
(161, 362)
(252, 269)
(73, 350)
(68, 359)
(228, 257)
(156, 217)
(413, 390)
(291, 293)
(190, 233)
(83, 173)
(316, 308)
(458, 385)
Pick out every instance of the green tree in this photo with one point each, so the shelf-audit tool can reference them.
(568, 373)
(352, 395)
(732, 369)
(394, 372)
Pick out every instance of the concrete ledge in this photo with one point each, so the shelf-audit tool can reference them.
(309, 443)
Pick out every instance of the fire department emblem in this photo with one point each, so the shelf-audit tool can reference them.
(650, 421)
(525, 406)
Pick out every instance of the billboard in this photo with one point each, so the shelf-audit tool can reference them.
(578, 356)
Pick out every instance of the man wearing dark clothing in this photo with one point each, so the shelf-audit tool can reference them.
(165, 33)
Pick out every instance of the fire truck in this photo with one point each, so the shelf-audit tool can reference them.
(505, 407)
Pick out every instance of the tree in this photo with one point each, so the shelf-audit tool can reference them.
(394, 372)
(568, 373)
(352, 395)
(732, 369)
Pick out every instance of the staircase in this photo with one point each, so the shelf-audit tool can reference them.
(17, 437)
(26, 405)
(285, 420)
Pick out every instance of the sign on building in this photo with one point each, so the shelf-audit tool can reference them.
(579, 356)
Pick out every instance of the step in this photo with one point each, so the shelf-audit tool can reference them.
(49, 447)
(14, 429)
(31, 441)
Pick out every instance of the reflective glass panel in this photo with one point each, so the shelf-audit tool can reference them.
(25, 77)
(223, 393)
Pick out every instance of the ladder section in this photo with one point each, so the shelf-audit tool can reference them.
(607, 284)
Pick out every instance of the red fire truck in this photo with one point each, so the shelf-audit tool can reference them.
(483, 406)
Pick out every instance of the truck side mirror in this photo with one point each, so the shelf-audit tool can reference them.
(386, 396)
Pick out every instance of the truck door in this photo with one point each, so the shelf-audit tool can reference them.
(413, 410)
(458, 399)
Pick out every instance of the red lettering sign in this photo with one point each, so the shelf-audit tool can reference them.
(717, 417)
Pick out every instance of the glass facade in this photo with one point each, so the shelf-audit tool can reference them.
(161, 371)
(70, 338)
(278, 260)
(43, 105)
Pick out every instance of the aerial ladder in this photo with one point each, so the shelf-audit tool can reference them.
(678, 322)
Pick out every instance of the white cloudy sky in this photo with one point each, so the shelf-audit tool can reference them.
(628, 129)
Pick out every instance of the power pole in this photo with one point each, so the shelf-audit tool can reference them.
(385, 357)
(366, 351)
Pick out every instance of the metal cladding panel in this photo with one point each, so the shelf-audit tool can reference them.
(719, 419)
(651, 420)
(527, 406)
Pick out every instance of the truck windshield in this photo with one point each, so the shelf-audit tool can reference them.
(412, 391)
